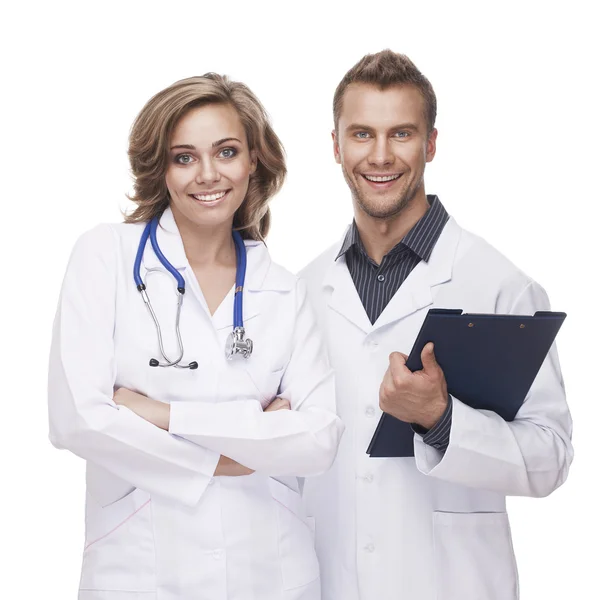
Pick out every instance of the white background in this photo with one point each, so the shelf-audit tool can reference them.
(516, 163)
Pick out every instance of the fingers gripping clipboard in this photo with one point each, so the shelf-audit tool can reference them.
(490, 362)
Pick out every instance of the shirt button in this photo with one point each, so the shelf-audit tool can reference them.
(369, 411)
(369, 548)
(380, 277)
(218, 554)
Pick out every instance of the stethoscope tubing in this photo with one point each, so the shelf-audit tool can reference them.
(240, 275)
(163, 259)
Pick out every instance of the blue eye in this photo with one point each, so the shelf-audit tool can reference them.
(228, 152)
(401, 134)
(361, 135)
(183, 159)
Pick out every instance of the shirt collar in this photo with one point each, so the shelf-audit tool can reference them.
(352, 238)
(420, 239)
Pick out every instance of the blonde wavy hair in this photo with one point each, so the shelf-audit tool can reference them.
(149, 149)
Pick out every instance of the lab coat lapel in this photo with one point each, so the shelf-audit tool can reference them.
(260, 276)
(344, 298)
(413, 294)
(417, 291)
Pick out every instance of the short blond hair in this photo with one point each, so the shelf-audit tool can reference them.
(149, 149)
(386, 69)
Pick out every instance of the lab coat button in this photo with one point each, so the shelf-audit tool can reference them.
(369, 477)
(211, 482)
(369, 548)
(369, 411)
(218, 554)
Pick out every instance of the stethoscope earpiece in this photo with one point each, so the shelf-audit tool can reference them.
(236, 342)
(193, 365)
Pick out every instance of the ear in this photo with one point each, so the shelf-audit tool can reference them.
(336, 148)
(431, 142)
(253, 161)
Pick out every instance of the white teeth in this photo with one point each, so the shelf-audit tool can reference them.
(380, 179)
(209, 197)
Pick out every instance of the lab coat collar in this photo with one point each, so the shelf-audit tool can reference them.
(415, 293)
(169, 241)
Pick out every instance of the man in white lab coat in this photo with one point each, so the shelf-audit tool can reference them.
(433, 526)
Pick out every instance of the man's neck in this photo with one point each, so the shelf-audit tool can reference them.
(379, 236)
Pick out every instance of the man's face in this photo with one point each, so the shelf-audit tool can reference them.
(382, 145)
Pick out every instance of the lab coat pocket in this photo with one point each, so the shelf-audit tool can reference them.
(104, 487)
(299, 564)
(474, 556)
(119, 548)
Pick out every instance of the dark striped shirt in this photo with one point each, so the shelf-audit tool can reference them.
(377, 284)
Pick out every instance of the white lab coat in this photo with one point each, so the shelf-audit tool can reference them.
(159, 526)
(432, 527)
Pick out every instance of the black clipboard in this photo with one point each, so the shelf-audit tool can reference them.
(490, 362)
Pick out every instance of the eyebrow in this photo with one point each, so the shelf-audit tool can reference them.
(358, 126)
(214, 144)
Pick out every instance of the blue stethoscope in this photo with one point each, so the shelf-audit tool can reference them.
(236, 344)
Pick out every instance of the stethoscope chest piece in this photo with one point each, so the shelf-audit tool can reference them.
(236, 344)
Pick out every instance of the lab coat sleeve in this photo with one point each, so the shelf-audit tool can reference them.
(529, 456)
(299, 442)
(83, 417)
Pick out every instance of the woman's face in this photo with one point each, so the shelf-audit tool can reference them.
(209, 166)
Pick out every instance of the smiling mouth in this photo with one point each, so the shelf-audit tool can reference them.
(209, 197)
(382, 178)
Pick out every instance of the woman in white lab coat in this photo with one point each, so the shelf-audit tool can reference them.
(192, 473)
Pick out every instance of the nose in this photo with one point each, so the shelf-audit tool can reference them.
(381, 152)
(206, 171)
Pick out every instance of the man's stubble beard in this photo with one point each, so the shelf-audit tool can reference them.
(402, 202)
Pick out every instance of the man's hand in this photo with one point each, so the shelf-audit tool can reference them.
(157, 413)
(420, 397)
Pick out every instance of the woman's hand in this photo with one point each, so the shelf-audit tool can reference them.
(278, 404)
(230, 468)
(153, 411)
(158, 413)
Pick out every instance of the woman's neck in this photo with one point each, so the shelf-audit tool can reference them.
(206, 246)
